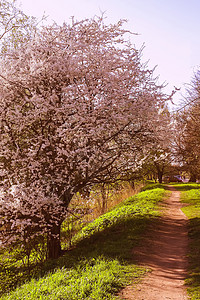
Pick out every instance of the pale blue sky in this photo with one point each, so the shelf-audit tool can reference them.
(170, 29)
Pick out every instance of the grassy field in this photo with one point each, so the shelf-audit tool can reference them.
(99, 263)
(191, 197)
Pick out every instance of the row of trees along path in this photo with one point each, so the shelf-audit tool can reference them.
(164, 251)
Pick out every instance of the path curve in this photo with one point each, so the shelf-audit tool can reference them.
(164, 252)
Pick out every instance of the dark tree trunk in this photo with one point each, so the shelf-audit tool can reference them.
(53, 238)
(132, 184)
(193, 178)
(104, 199)
(160, 172)
(53, 243)
(160, 176)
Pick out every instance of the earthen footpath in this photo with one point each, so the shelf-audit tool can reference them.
(164, 251)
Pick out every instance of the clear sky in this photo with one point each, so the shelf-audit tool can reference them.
(169, 29)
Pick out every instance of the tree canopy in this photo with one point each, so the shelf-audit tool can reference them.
(188, 130)
(77, 107)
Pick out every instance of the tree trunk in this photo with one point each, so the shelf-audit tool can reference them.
(104, 199)
(193, 178)
(160, 176)
(53, 242)
(132, 184)
(53, 238)
(160, 172)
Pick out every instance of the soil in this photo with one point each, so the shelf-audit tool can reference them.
(164, 251)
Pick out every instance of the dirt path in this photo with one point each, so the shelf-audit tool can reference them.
(164, 252)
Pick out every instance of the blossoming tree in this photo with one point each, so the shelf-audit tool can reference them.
(77, 108)
(187, 125)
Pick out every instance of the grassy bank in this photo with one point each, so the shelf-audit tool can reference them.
(191, 197)
(99, 263)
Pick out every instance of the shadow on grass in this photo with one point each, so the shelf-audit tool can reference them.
(193, 279)
(115, 242)
(14, 274)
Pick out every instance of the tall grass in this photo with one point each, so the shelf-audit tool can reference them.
(99, 262)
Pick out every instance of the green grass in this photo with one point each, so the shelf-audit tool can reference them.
(133, 208)
(93, 279)
(152, 186)
(99, 263)
(191, 196)
(186, 186)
